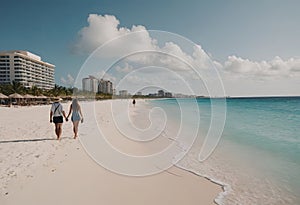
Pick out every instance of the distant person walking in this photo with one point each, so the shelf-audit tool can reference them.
(75, 109)
(56, 116)
(133, 102)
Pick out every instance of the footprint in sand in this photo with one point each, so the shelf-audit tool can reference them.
(12, 173)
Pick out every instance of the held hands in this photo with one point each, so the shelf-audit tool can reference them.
(50, 120)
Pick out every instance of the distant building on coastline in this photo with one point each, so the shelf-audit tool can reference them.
(152, 95)
(26, 68)
(168, 94)
(105, 86)
(90, 84)
(123, 93)
(180, 95)
(161, 93)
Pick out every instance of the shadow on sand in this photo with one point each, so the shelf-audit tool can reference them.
(27, 140)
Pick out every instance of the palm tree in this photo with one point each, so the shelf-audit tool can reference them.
(34, 90)
(15, 87)
(18, 87)
(57, 91)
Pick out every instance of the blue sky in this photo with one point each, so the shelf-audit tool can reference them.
(255, 30)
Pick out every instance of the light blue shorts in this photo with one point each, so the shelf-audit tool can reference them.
(75, 116)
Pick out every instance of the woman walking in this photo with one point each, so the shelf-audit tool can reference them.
(75, 109)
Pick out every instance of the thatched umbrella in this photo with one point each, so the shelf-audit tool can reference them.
(2, 96)
(16, 96)
(42, 99)
(68, 97)
(29, 98)
(3, 99)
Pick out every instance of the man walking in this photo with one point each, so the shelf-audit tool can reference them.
(56, 116)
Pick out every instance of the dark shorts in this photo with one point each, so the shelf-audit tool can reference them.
(58, 119)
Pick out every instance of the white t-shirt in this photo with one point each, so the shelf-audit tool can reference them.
(57, 112)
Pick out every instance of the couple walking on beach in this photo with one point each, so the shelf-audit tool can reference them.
(57, 113)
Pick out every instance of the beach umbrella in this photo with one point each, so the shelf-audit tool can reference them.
(2, 96)
(28, 96)
(16, 96)
(41, 97)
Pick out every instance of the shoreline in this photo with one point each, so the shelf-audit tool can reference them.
(226, 188)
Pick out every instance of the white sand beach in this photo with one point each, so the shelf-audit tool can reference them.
(37, 169)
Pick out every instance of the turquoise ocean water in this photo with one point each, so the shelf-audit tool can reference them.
(258, 157)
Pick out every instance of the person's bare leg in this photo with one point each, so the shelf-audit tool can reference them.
(75, 129)
(59, 130)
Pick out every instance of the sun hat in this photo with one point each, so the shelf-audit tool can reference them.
(57, 99)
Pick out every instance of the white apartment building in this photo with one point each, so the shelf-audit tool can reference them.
(90, 84)
(105, 86)
(26, 68)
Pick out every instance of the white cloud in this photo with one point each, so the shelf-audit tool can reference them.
(106, 76)
(69, 81)
(102, 29)
(276, 67)
(171, 56)
(124, 41)
(124, 69)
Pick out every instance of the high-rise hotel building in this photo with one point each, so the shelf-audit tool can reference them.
(105, 86)
(90, 84)
(26, 68)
